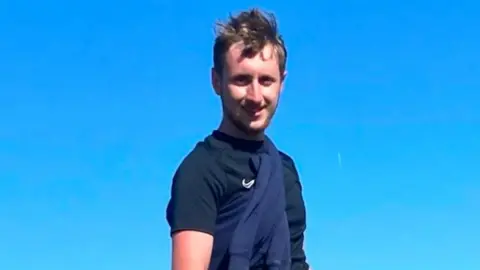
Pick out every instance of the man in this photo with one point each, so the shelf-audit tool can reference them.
(225, 211)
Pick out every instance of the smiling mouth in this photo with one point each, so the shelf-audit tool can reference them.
(253, 113)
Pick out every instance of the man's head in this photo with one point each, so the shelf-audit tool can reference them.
(249, 70)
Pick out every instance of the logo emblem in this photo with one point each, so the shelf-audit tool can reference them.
(248, 184)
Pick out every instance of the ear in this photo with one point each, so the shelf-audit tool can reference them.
(284, 76)
(216, 81)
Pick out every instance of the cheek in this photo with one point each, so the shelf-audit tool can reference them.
(271, 95)
(236, 93)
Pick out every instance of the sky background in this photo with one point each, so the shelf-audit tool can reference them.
(100, 101)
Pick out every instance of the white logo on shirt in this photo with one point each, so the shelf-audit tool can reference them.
(248, 184)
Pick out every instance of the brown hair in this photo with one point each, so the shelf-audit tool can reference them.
(255, 29)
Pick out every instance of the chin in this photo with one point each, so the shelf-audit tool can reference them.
(256, 126)
(252, 127)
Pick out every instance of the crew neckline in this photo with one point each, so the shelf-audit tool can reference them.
(243, 145)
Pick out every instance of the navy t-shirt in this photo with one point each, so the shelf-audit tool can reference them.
(213, 179)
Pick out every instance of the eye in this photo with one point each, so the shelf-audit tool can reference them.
(266, 80)
(242, 80)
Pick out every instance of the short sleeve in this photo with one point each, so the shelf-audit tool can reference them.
(296, 214)
(193, 201)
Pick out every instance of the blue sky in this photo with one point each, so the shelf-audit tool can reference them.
(99, 102)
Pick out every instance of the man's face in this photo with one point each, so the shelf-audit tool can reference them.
(250, 88)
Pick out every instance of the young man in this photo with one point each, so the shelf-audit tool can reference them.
(236, 202)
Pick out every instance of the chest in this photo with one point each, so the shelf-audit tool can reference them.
(237, 178)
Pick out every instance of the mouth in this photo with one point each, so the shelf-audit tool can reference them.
(254, 113)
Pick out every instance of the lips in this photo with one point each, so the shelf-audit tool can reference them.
(253, 112)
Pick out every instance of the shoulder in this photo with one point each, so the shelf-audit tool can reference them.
(195, 164)
(291, 173)
(194, 159)
(194, 193)
(197, 174)
(288, 162)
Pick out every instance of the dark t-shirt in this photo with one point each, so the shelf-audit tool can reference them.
(217, 172)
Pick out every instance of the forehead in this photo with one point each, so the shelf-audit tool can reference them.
(265, 62)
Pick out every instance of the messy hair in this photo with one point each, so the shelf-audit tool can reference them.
(255, 29)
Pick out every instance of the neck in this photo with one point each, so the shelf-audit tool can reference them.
(227, 127)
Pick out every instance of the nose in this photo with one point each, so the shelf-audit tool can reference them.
(254, 92)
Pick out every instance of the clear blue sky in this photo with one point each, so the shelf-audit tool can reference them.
(99, 102)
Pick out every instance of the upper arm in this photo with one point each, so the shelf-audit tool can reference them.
(296, 214)
(191, 250)
(191, 214)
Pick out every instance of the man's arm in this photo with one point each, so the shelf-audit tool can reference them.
(297, 223)
(192, 250)
(296, 213)
(191, 214)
